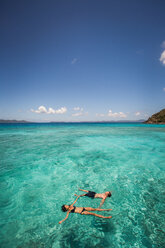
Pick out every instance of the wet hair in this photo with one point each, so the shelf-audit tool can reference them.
(109, 195)
(63, 208)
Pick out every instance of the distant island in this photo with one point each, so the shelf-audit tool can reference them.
(158, 118)
(12, 121)
(65, 122)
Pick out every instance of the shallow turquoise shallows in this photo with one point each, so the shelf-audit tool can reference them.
(43, 165)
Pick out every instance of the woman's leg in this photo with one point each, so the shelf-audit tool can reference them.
(84, 190)
(97, 215)
(96, 209)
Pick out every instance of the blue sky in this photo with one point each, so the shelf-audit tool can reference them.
(81, 60)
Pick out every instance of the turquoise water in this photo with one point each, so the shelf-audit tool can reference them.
(43, 165)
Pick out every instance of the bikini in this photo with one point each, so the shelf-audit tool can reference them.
(83, 210)
(73, 210)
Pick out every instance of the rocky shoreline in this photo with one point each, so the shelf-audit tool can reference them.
(157, 118)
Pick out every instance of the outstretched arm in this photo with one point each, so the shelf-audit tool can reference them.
(65, 217)
(79, 195)
(75, 201)
(102, 202)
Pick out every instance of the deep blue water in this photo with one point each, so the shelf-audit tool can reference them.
(43, 165)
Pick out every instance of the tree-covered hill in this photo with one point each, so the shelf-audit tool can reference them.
(158, 118)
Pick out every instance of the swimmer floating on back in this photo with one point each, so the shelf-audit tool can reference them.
(81, 210)
(96, 195)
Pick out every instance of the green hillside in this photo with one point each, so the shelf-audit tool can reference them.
(158, 118)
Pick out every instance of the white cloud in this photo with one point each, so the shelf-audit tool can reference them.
(74, 61)
(43, 110)
(61, 110)
(162, 57)
(51, 111)
(137, 113)
(163, 89)
(77, 109)
(116, 114)
(163, 44)
(77, 114)
(80, 111)
(40, 110)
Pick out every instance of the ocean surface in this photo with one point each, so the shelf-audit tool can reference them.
(43, 165)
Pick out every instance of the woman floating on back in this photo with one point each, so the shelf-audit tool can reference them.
(82, 210)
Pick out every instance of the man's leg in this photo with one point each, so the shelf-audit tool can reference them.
(79, 195)
(84, 190)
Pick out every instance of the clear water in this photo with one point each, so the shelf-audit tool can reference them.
(43, 165)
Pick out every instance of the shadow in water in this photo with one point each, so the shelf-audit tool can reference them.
(69, 239)
(105, 226)
(79, 237)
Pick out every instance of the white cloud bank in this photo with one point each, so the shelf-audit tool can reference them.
(163, 89)
(162, 58)
(77, 114)
(77, 109)
(113, 115)
(137, 113)
(43, 110)
(117, 114)
(80, 112)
